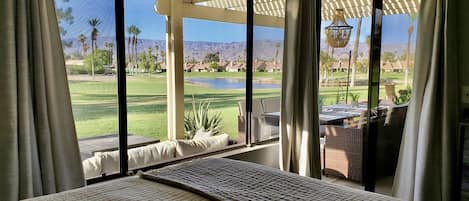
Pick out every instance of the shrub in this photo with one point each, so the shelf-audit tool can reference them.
(77, 70)
(101, 58)
(214, 66)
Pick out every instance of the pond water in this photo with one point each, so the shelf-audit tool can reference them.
(230, 83)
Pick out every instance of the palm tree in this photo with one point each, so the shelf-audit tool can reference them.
(410, 30)
(109, 47)
(130, 31)
(133, 32)
(368, 43)
(93, 22)
(157, 50)
(82, 39)
(86, 47)
(355, 51)
(277, 47)
(135, 45)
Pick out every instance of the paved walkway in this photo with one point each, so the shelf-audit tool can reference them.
(88, 146)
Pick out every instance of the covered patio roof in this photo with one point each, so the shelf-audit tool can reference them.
(271, 9)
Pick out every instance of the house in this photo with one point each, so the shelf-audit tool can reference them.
(236, 67)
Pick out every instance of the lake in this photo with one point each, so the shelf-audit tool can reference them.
(230, 83)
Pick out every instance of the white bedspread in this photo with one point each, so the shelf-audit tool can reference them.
(214, 179)
(225, 179)
(127, 189)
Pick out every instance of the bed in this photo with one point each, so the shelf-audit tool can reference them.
(215, 179)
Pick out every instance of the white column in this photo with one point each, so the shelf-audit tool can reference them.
(175, 71)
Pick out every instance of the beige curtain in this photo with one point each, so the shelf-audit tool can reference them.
(425, 168)
(299, 127)
(38, 145)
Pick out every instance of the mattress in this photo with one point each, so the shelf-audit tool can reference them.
(215, 179)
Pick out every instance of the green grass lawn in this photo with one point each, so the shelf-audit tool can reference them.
(95, 101)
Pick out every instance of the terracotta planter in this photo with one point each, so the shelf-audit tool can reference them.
(389, 90)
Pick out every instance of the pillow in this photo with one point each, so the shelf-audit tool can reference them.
(190, 147)
(109, 161)
(92, 167)
(138, 157)
(201, 133)
(151, 154)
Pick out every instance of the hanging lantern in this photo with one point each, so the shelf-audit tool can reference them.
(338, 33)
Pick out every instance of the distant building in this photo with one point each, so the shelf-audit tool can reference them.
(74, 62)
(236, 67)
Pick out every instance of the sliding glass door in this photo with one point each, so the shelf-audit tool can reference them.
(267, 64)
(368, 82)
(146, 82)
(344, 89)
(399, 27)
(88, 39)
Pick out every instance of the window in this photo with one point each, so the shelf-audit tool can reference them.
(215, 78)
(266, 82)
(88, 38)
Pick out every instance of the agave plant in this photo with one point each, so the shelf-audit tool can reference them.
(404, 96)
(354, 97)
(200, 118)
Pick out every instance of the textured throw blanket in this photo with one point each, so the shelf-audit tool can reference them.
(225, 179)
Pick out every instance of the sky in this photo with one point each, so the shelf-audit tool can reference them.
(142, 14)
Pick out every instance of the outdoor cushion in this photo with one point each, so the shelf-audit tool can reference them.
(201, 133)
(92, 167)
(271, 104)
(189, 147)
(138, 157)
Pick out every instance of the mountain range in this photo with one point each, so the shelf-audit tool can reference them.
(232, 51)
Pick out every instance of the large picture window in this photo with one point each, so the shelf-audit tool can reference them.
(166, 73)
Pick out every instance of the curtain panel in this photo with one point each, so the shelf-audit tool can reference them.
(299, 124)
(426, 163)
(38, 144)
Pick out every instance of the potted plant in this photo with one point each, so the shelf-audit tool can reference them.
(354, 98)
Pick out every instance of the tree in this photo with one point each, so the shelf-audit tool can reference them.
(93, 22)
(132, 42)
(64, 17)
(212, 57)
(355, 51)
(109, 47)
(130, 31)
(325, 64)
(157, 51)
(389, 57)
(277, 47)
(82, 39)
(135, 44)
(86, 47)
(95, 63)
(410, 30)
(214, 66)
(163, 56)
